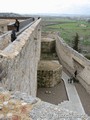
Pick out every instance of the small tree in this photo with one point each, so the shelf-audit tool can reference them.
(76, 42)
(88, 20)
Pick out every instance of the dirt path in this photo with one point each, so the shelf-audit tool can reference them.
(53, 95)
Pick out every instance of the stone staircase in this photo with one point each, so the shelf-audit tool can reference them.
(47, 111)
(68, 105)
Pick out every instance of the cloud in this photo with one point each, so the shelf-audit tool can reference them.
(74, 7)
(46, 6)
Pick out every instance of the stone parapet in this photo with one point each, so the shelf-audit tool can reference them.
(19, 61)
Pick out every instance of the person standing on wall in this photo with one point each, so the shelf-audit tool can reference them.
(13, 34)
(75, 73)
(17, 25)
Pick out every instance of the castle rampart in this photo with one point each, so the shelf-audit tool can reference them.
(72, 61)
(19, 60)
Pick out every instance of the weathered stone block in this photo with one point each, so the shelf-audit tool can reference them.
(49, 73)
(47, 45)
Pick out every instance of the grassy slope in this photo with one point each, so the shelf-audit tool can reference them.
(68, 29)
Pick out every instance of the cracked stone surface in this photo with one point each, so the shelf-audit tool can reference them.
(20, 106)
(47, 111)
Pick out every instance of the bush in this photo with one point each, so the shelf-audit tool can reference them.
(87, 56)
(76, 42)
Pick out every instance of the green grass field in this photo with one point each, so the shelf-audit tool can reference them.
(68, 29)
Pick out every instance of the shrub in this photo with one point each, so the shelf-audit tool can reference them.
(76, 42)
(87, 56)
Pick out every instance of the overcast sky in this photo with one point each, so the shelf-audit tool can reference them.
(46, 6)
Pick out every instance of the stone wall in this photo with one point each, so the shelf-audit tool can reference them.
(23, 23)
(72, 61)
(48, 48)
(19, 60)
(47, 45)
(5, 39)
(3, 28)
(49, 73)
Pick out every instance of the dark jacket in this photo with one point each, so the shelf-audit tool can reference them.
(13, 35)
(17, 25)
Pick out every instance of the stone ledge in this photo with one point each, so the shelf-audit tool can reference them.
(20, 106)
(49, 65)
(47, 39)
(47, 111)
